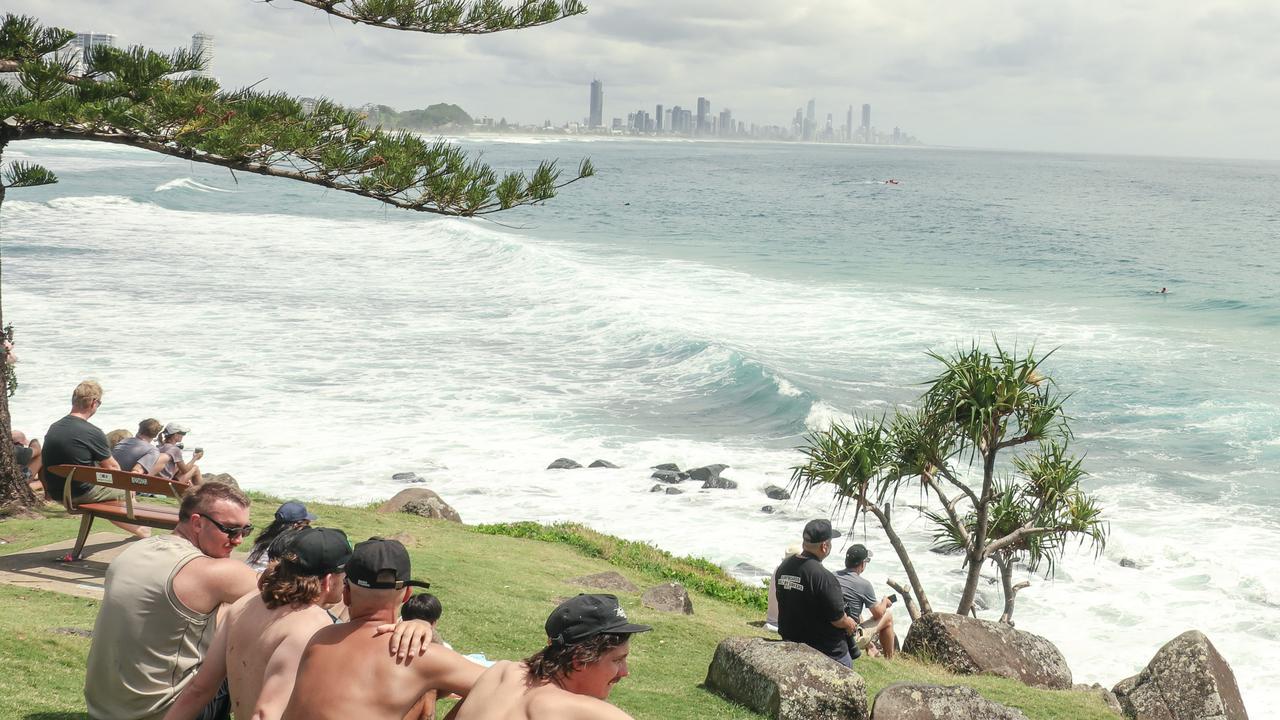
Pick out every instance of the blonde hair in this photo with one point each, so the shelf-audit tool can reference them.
(85, 393)
(115, 436)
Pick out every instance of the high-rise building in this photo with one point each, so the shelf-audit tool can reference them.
(810, 121)
(704, 115)
(82, 49)
(657, 118)
(726, 122)
(866, 123)
(202, 47)
(848, 125)
(597, 104)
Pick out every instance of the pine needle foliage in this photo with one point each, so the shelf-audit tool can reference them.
(1026, 510)
(154, 101)
(453, 17)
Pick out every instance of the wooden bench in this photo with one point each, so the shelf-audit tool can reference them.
(155, 516)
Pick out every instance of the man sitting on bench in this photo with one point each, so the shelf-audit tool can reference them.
(139, 453)
(74, 440)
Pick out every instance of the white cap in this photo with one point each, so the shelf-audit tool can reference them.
(175, 428)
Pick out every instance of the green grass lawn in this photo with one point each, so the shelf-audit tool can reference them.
(496, 592)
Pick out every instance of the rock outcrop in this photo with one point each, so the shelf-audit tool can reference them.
(970, 646)
(667, 466)
(420, 501)
(668, 597)
(1186, 680)
(786, 681)
(564, 464)
(706, 472)
(776, 493)
(666, 476)
(223, 478)
(408, 478)
(609, 580)
(603, 464)
(905, 701)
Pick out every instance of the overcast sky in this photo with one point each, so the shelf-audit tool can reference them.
(1122, 76)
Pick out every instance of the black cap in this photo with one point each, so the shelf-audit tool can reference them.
(856, 554)
(380, 564)
(585, 616)
(819, 530)
(319, 551)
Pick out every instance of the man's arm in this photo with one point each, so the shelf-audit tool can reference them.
(109, 464)
(879, 609)
(279, 675)
(448, 672)
(200, 691)
(205, 583)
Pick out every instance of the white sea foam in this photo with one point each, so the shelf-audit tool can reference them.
(189, 184)
(315, 357)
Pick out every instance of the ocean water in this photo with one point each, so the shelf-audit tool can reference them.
(698, 303)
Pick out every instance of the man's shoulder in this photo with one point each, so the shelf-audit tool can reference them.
(552, 702)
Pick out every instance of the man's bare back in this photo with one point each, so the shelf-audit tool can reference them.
(263, 648)
(346, 673)
(502, 693)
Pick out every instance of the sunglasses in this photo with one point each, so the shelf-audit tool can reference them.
(231, 532)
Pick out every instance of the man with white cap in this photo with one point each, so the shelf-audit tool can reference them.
(810, 605)
(588, 640)
(175, 468)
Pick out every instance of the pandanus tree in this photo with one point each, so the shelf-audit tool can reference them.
(1027, 506)
(156, 101)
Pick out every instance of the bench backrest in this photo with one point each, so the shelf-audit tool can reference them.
(130, 482)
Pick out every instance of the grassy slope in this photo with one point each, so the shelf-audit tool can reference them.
(496, 592)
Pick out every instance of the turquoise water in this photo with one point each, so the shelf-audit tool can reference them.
(698, 303)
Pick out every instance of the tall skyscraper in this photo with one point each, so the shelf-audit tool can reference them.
(657, 118)
(202, 46)
(866, 123)
(82, 49)
(704, 115)
(726, 122)
(848, 125)
(810, 121)
(597, 104)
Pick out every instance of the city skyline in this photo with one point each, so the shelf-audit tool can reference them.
(1191, 79)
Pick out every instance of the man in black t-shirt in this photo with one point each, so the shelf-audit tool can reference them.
(810, 605)
(74, 440)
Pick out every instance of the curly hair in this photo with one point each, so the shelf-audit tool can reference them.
(556, 661)
(284, 583)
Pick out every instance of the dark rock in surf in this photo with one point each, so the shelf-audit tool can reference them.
(1131, 564)
(564, 464)
(767, 509)
(666, 476)
(776, 493)
(706, 472)
(674, 491)
(719, 483)
(667, 466)
(603, 464)
(657, 488)
(408, 477)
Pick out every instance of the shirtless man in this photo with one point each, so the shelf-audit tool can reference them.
(588, 639)
(346, 673)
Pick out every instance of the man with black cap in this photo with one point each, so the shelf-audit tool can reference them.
(859, 594)
(588, 639)
(345, 671)
(810, 606)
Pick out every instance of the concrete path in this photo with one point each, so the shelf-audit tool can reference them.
(42, 568)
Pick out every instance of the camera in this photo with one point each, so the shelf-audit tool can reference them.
(893, 598)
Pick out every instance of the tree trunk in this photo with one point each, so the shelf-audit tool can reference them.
(898, 547)
(976, 554)
(1004, 561)
(15, 493)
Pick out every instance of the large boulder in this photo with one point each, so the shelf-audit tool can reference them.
(420, 501)
(668, 597)
(666, 476)
(564, 464)
(667, 466)
(786, 681)
(609, 580)
(970, 646)
(603, 464)
(223, 478)
(776, 493)
(1186, 680)
(905, 701)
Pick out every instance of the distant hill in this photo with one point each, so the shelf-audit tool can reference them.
(432, 117)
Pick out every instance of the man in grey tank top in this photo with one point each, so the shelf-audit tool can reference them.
(157, 615)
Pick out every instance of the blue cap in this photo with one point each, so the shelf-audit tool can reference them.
(293, 511)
